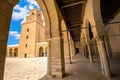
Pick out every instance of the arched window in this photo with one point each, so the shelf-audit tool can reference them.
(15, 52)
(28, 30)
(27, 37)
(32, 13)
(26, 45)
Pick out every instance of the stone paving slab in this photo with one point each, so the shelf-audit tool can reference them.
(25, 68)
(82, 69)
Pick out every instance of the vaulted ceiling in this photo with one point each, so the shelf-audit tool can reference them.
(73, 13)
(109, 9)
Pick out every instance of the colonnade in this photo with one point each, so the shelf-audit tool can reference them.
(61, 46)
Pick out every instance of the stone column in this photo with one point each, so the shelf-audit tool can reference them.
(66, 47)
(57, 57)
(95, 47)
(103, 57)
(90, 53)
(72, 48)
(108, 47)
(83, 53)
(48, 57)
(87, 39)
(86, 51)
(5, 16)
(70, 59)
(100, 56)
(3, 46)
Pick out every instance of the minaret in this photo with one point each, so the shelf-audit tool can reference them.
(31, 33)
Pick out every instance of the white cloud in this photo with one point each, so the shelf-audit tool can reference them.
(20, 13)
(15, 34)
(33, 2)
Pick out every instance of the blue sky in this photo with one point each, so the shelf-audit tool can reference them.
(20, 11)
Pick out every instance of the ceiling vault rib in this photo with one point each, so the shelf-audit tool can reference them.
(76, 3)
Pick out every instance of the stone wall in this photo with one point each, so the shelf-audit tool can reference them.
(113, 31)
(13, 50)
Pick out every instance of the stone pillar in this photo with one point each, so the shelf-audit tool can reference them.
(83, 53)
(103, 57)
(108, 47)
(5, 16)
(86, 51)
(90, 53)
(48, 57)
(57, 57)
(70, 59)
(87, 38)
(95, 47)
(66, 47)
(100, 56)
(3, 46)
(72, 48)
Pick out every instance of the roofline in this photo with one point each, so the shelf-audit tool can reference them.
(13, 45)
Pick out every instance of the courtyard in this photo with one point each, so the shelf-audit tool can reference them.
(25, 68)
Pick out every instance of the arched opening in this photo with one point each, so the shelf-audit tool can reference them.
(10, 52)
(93, 45)
(41, 53)
(16, 52)
(19, 13)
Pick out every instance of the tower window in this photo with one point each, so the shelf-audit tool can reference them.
(38, 14)
(32, 13)
(27, 30)
(26, 37)
(26, 45)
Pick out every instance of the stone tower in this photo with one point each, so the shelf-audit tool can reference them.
(32, 33)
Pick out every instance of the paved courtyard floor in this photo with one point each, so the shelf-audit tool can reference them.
(25, 68)
(82, 69)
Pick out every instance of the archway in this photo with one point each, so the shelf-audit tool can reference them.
(53, 33)
(41, 53)
(15, 52)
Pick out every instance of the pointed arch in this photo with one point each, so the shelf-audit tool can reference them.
(15, 52)
(41, 53)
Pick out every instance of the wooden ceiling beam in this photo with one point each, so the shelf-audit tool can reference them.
(76, 3)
